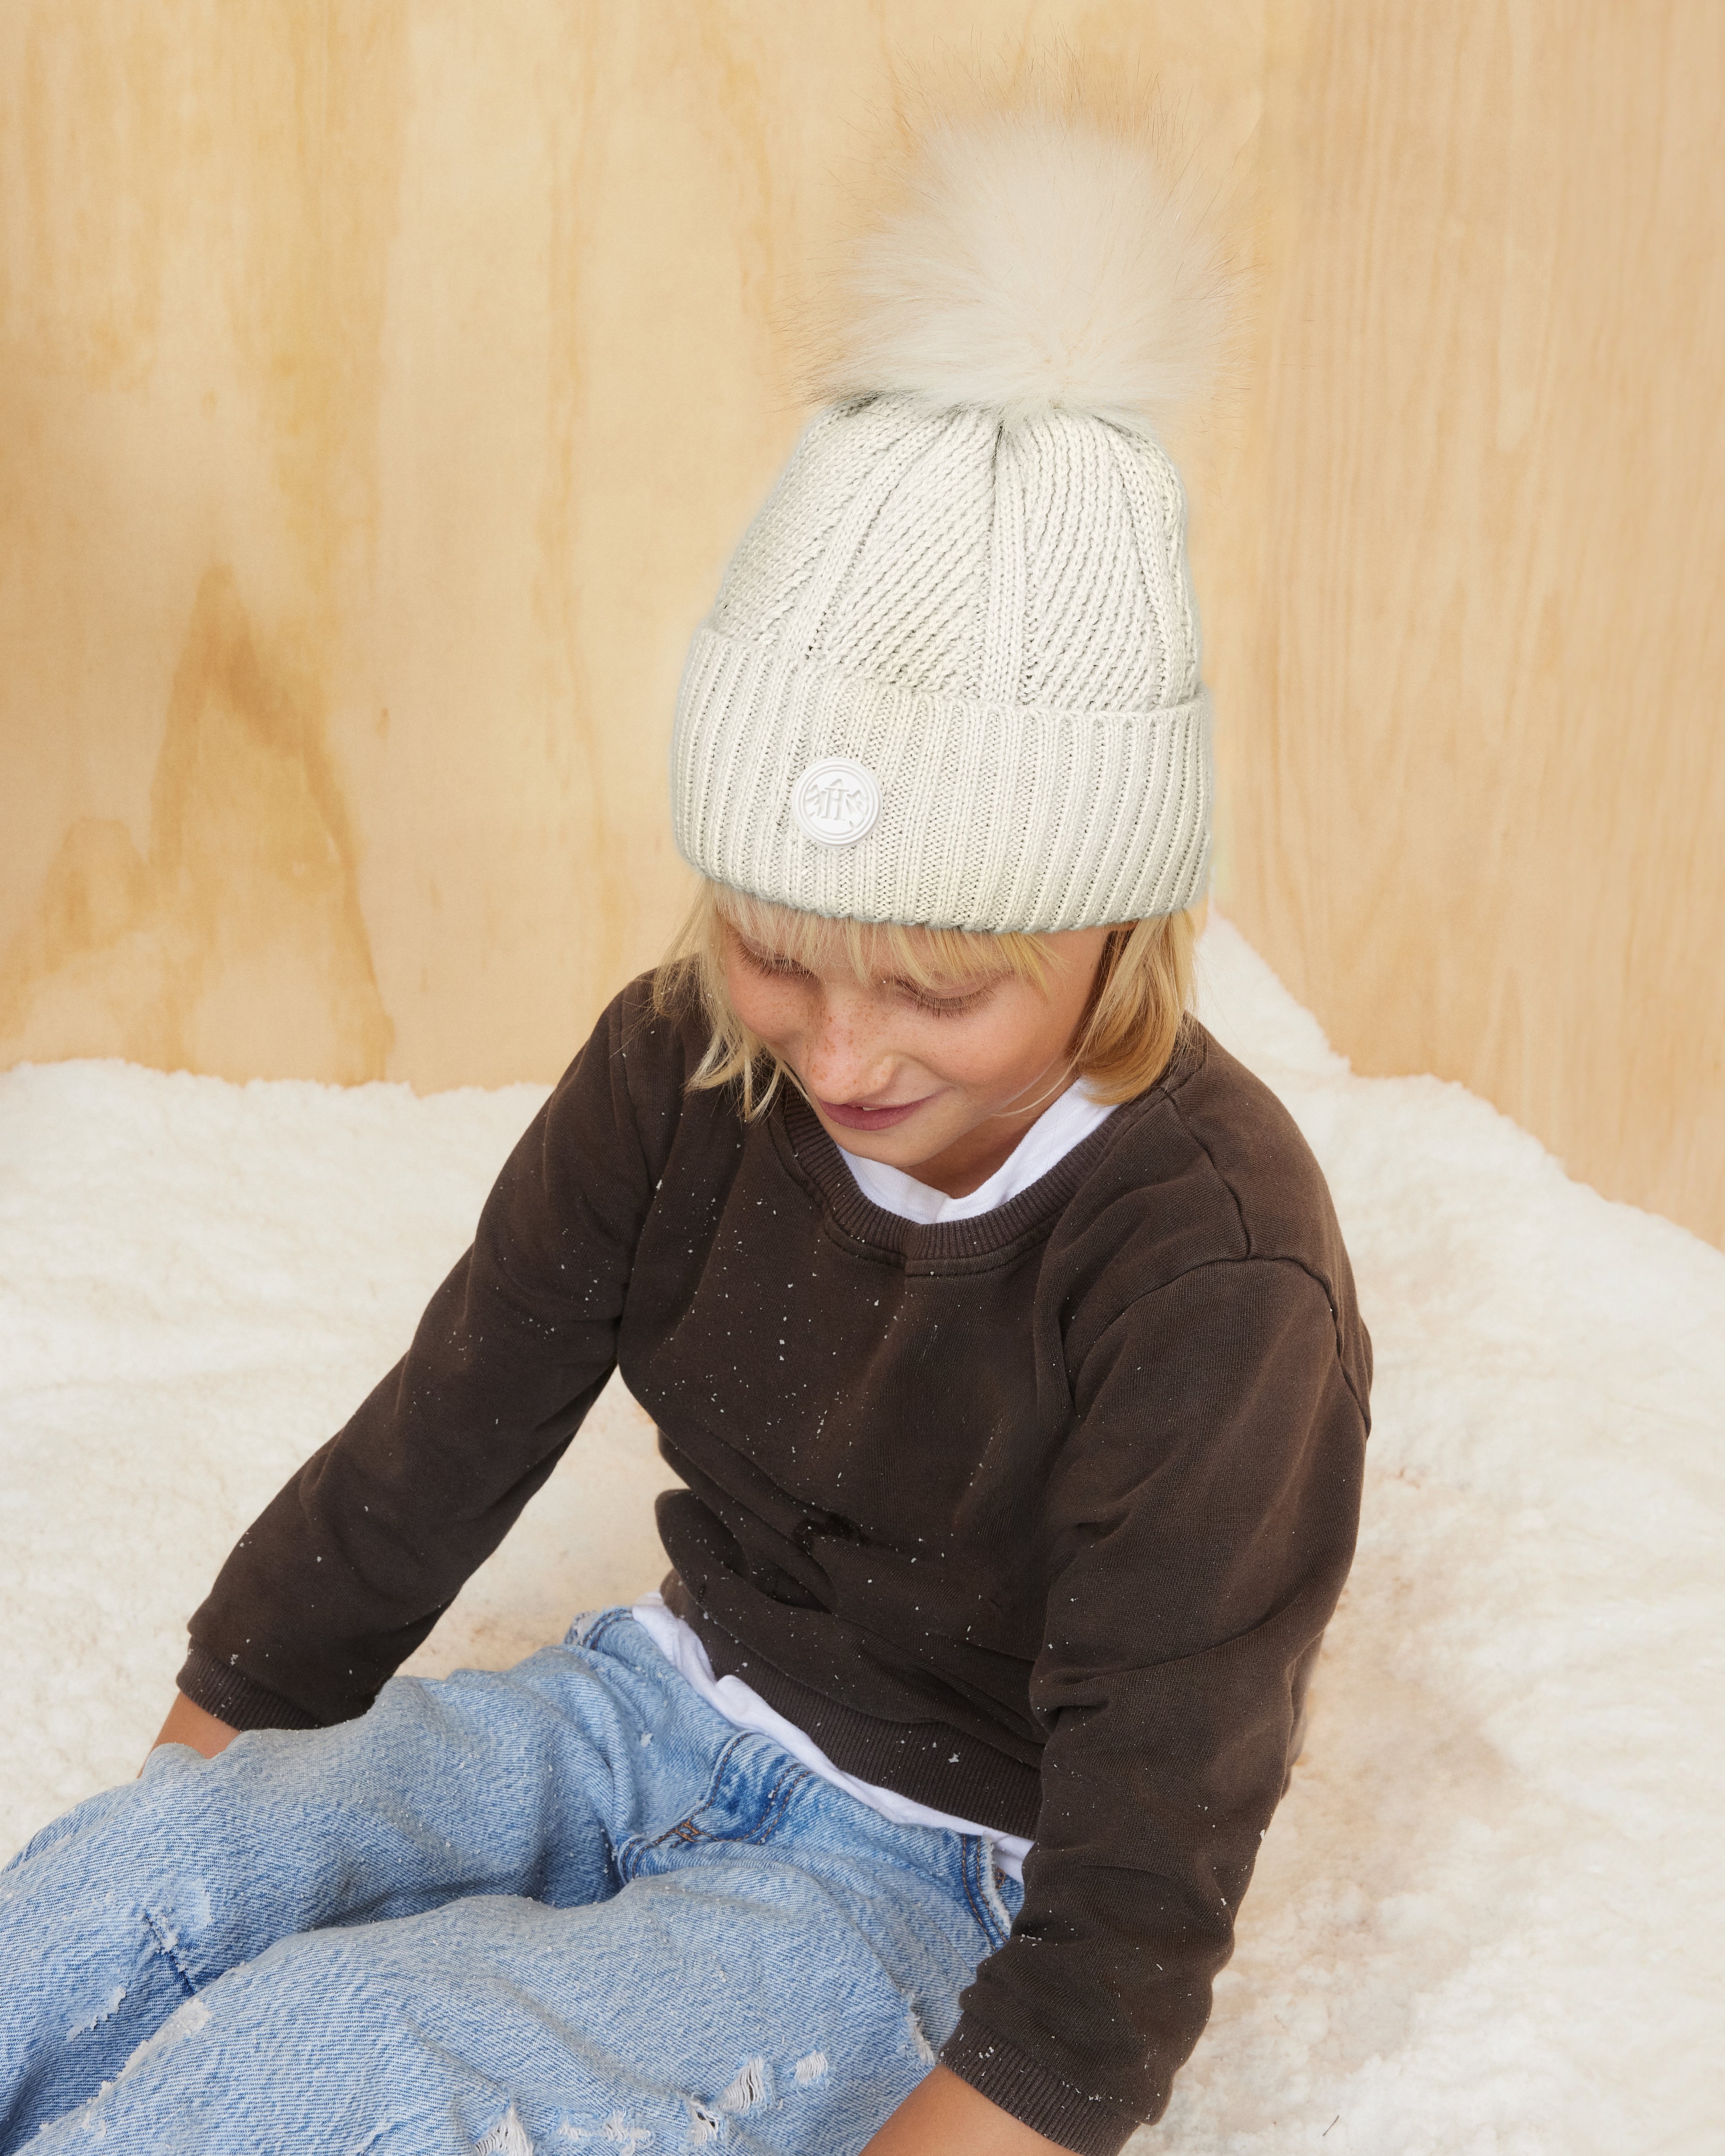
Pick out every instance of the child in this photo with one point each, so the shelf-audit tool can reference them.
(995, 1322)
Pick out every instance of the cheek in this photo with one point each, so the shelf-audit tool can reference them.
(769, 1008)
(998, 1053)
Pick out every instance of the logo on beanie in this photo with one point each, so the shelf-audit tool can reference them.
(836, 801)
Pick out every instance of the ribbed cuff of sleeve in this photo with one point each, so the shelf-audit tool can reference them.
(233, 1697)
(1089, 2125)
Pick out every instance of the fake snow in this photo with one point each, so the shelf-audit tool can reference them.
(1484, 1921)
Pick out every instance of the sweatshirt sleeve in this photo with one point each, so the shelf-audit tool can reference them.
(1202, 1523)
(349, 1566)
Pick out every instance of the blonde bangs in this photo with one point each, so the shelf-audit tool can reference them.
(930, 959)
(1124, 1041)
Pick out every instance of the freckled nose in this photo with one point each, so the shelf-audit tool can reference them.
(842, 1063)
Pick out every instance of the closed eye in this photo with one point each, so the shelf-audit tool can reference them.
(772, 963)
(942, 1006)
(775, 965)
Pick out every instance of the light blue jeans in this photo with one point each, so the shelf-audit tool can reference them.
(564, 1905)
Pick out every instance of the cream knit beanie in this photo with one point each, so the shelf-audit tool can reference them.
(952, 679)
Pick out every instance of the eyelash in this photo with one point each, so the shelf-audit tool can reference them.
(787, 969)
(777, 969)
(955, 1008)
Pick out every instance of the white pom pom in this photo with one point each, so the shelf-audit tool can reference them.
(1039, 261)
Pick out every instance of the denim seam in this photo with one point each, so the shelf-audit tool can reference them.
(708, 1799)
(772, 1813)
(773, 1802)
(608, 1621)
(976, 1850)
(990, 1882)
(166, 1942)
(686, 1830)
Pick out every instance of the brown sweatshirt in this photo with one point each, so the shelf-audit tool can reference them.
(1037, 1517)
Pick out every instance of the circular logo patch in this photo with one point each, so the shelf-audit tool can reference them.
(836, 801)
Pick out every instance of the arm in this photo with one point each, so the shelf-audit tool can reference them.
(351, 1564)
(945, 2117)
(1200, 1524)
(187, 1724)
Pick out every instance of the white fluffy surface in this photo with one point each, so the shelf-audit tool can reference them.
(1485, 1919)
(1038, 261)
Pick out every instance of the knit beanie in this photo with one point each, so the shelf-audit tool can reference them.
(951, 678)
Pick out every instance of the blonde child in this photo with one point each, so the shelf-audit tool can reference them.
(995, 1322)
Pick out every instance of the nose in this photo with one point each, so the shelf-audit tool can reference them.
(845, 1058)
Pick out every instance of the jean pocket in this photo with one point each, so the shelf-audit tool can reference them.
(987, 1890)
(749, 1801)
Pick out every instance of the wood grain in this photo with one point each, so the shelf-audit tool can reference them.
(1475, 780)
(382, 387)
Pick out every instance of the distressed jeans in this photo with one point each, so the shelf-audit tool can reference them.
(560, 1907)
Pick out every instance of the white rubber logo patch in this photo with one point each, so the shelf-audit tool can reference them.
(836, 801)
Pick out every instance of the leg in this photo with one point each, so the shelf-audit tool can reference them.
(519, 1783)
(773, 1976)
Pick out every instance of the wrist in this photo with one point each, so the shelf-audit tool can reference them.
(943, 2116)
(189, 1723)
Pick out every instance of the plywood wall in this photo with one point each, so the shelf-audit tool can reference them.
(1474, 793)
(382, 383)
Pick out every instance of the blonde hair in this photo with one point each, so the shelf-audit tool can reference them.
(1130, 1023)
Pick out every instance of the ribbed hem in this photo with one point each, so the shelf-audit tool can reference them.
(929, 1761)
(985, 1239)
(1088, 2125)
(992, 815)
(233, 1697)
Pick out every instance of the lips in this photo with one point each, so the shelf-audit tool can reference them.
(851, 1118)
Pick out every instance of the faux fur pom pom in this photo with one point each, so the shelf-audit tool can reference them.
(1039, 261)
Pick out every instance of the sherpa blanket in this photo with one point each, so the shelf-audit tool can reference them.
(1486, 1919)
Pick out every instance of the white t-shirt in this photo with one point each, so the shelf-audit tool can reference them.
(1053, 1134)
(745, 1708)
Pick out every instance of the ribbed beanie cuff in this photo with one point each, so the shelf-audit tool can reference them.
(991, 817)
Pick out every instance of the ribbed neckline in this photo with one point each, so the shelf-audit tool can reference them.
(811, 1155)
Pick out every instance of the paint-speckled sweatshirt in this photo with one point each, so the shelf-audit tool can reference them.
(1037, 1517)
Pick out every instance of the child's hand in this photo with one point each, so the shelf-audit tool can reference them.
(943, 2116)
(187, 1724)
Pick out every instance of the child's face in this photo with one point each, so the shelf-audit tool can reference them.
(943, 1080)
